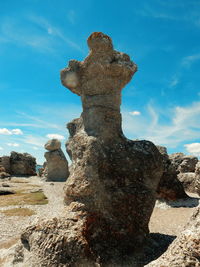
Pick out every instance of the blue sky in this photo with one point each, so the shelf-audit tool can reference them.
(39, 37)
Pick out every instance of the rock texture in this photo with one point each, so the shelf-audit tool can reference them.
(19, 164)
(197, 178)
(111, 189)
(5, 162)
(56, 168)
(185, 250)
(169, 188)
(183, 163)
(22, 164)
(3, 173)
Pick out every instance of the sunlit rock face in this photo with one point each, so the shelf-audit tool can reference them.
(56, 168)
(110, 193)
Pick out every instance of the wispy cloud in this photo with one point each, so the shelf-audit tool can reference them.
(71, 16)
(38, 141)
(183, 125)
(40, 123)
(174, 81)
(25, 32)
(13, 144)
(1, 148)
(189, 60)
(5, 131)
(193, 148)
(54, 31)
(56, 136)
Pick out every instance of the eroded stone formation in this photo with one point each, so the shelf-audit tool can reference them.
(19, 164)
(111, 189)
(56, 167)
(169, 188)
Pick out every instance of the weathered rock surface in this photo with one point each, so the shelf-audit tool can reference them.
(111, 189)
(53, 144)
(22, 164)
(5, 162)
(169, 188)
(197, 178)
(56, 168)
(183, 163)
(185, 250)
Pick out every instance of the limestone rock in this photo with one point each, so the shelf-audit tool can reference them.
(183, 163)
(22, 164)
(111, 189)
(53, 144)
(5, 162)
(188, 181)
(169, 188)
(197, 178)
(185, 249)
(56, 168)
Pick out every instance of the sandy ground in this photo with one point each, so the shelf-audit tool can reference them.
(167, 218)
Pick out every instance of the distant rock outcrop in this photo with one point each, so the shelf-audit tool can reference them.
(19, 164)
(183, 163)
(185, 168)
(169, 188)
(3, 173)
(185, 249)
(56, 168)
(22, 164)
(111, 190)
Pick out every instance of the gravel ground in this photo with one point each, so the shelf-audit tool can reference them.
(166, 221)
(12, 226)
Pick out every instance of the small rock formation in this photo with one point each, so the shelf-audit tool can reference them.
(185, 249)
(56, 168)
(169, 188)
(22, 164)
(111, 190)
(5, 162)
(185, 169)
(3, 173)
(183, 163)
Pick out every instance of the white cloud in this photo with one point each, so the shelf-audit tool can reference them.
(13, 144)
(183, 125)
(5, 131)
(17, 131)
(35, 148)
(135, 113)
(1, 148)
(56, 136)
(189, 60)
(193, 148)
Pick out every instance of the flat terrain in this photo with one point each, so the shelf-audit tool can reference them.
(35, 199)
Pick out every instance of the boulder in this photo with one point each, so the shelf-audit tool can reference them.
(185, 249)
(5, 162)
(169, 188)
(183, 163)
(53, 144)
(56, 168)
(22, 164)
(111, 190)
(187, 179)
